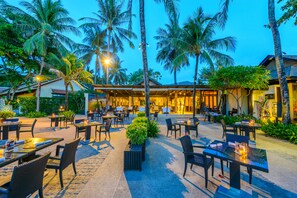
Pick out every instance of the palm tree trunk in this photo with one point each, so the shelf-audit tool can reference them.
(97, 70)
(279, 62)
(108, 56)
(66, 97)
(144, 58)
(174, 74)
(39, 86)
(194, 86)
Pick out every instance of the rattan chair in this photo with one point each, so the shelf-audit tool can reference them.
(172, 127)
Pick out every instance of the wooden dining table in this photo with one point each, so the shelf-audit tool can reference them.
(5, 128)
(88, 125)
(56, 119)
(25, 149)
(247, 127)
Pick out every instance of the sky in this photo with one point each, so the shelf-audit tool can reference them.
(246, 23)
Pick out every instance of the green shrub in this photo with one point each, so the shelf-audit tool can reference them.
(35, 114)
(232, 119)
(152, 129)
(280, 130)
(137, 133)
(141, 114)
(140, 120)
(67, 114)
(6, 114)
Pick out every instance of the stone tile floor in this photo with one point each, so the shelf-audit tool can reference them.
(100, 167)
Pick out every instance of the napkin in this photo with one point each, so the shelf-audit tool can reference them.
(2, 159)
(20, 142)
(42, 143)
(231, 144)
(213, 145)
(219, 144)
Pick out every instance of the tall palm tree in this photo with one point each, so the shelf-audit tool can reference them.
(118, 74)
(112, 17)
(72, 70)
(197, 41)
(95, 46)
(170, 50)
(170, 6)
(43, 23)
(279, 62)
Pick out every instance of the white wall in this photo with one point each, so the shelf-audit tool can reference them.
(232, 103)
(46, 90)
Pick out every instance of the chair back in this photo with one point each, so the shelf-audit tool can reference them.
(186, 144)
(72, 118)
(68, 155)
(195, 120)
(223, 124)
(28, 177)
(33, 125)
(155, 114)
(107, 124)
(169, 124)
(12, 128)
(237, 138)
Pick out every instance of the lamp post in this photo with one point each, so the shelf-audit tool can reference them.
(107, 63)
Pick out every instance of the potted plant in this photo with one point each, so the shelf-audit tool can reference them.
(4, 114)
(135, 151)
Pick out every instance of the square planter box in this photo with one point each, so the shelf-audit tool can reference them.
(133, 157)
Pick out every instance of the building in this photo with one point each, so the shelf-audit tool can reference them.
(177, 98)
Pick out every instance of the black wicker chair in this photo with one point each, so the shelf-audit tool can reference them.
(193, 127)
(156, 116)
(197, 159)
(103, 128)
(172, 127)
(26, 178)
(227, 129)
(120, 119)
(240, 139)
(24, 128)
(67, 158)
(79, 129)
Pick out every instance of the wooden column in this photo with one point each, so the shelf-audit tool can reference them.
(175, 102)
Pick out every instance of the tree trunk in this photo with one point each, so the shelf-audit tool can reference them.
(108, 55)
(66, 97)
(144, 58)
(39, 86)
(97, 70)
(279, 62)
(194, 86)
(174, 74)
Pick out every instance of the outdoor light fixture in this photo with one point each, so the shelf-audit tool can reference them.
(38, 78)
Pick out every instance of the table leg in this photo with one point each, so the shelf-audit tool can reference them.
(56, 122)
(88, 133)
(5, 132)
(235, 175)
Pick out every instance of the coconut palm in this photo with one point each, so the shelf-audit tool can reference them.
(118, 74)
(170, 6)
(95, 47)
(198, 42)
(112, 18)
(170, 50)
(43, 23)
(71, 70)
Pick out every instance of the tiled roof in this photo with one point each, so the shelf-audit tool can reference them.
(290, 71)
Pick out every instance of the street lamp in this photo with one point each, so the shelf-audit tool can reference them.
(107, 62)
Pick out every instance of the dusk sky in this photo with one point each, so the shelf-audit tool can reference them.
(246, 23)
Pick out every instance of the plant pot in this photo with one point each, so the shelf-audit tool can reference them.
(1, 120)
(133, 157)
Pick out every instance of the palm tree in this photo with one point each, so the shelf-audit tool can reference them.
(170, 6)
(197, 41)
(279, 62)
(118, 74)
(95, 46)
(72, 70)
(170, 50)
(43, 22)
(112, 17)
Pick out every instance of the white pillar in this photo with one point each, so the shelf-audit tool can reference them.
(86, 102)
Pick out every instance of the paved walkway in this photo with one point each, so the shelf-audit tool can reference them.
(100, 167)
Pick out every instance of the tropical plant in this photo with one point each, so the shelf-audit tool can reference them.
(6, 114)
(43, 22)
(141, 114)
(140, 120)
(152, 129)
(67, 114)
(118, 74)
(169, 50)
(137, 76)
(197, 41)
(95, 47)
(137, 133)
(112, 18)
(35, 114)
(251, 77)
(72, 70)
(170, 6)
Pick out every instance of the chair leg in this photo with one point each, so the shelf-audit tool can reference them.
(40, 193)
(185, 170)
(167, 132)
(250, 175)
(206, 176)
(74, 168)
(196, 133)
(61, 178)
(222, 167)
(32, 134)
(212, 168)
(191, 166)
(109, 135)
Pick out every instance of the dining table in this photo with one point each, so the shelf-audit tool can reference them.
(112, 117)
(246, 127)
(255, 159)
(187, 125)
(56, 119)
(5, 128)
(88, 125)
(24, 149)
